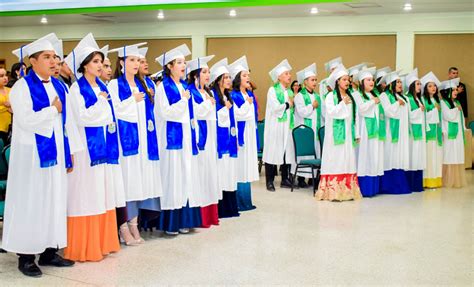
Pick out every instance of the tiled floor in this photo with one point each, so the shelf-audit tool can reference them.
(417, 239)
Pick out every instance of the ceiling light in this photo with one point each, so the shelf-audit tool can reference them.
(232, 13)
(407, 7)
(161, 15)
(314, 10)
(44, 20)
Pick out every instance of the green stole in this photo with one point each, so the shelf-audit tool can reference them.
(309, 101)
(280, 94)
(375, 129)
(339, 126)
(416, 130)
(394, 123)
(435, 132)
(453, 127)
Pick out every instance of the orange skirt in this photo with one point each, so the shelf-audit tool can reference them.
(89, 238)
(338, 187)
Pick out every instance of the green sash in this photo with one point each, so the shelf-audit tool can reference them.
(394, 123)
(435, 132)
(280, 94)
(309, 101)
(339, 127)
(416, 130)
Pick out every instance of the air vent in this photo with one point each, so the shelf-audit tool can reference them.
(362, 5)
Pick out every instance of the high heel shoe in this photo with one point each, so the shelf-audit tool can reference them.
(124, 232)
(135, 232)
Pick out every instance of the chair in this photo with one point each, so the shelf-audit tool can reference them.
(321, 132)
(3, 183)
(3, 165)
(260, 130)
(303, 140)
(471, 126)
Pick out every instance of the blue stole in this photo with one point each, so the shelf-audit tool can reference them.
(128, 131)
(151, 136)
(46, 147)
(226, 137)
(174, 130)
(201, 123)
(239, 100)
(102, 149)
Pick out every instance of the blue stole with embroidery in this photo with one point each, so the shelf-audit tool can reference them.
(128, 131)
(47, 149)
(151, 136)
(201, 123)
(226, 137)
(239, 100)
(102, 148)
(174, 130)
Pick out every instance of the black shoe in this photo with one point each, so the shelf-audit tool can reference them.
(270, 186)
(56, 261)
(29, 268)
(285, 183)
(302, 184)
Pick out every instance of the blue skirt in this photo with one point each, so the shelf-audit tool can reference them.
(394, 182)
(186, 217)
(228, 205)
(134, 207)
(369, 185)
(415, 180)
(244, 196)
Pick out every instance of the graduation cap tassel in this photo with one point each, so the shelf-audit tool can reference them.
(124, 59)
(74, 62)
(22, 73)
(199, 73)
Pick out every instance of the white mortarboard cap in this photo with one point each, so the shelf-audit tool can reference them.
(129, 50)
(142, 52)
(306, 73)
(58, 48)
(45, 43)
(332, 64)
(453, 83)
(429, 78)
(198, 63)
(390, 77)
(178, 52)
(218, 69)
(355, 69)
(279, 69)
(83, 49)
(338, 72)
(238, 66)
(411, 77)
(366, 73)
(382, 72)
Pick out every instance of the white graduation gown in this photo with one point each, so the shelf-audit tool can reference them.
(370, 151)
(396, 155)
(179, 177)
(207, 158)
(277, 135)
(417, 148)
(140, 175)
(434, 152)
(36, 200)
(247, 160)
(453, 149)
(92, 190)
(338, 159)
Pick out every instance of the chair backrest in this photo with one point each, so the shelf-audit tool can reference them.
(471, 126)
(6, 154)
(321, 137)
(261, 129)
(3, 163)
(303, 139)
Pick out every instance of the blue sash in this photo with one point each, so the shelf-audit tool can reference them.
(47, 150)
(174, 130)
(226, 137)
(102, 149)
(201, 123)
(239, 100)
(151, 136)
(128, 131)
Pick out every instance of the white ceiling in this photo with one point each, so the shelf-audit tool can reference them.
(325, 9)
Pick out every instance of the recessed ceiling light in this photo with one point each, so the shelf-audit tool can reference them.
(44, 20)
(314, 10)
(161, 15)
(232, 13)
(407, 7)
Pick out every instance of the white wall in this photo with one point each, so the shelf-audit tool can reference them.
(405, 26)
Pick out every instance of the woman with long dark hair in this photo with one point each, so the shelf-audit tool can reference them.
(454, 174)
(432, 175)
(246, 116)
(138, 141)
(204, 106)
(396, 148)
(372, 134)
(16, 73)
(226, 139)
(95, 188)
(338, 169)
(417, 142)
